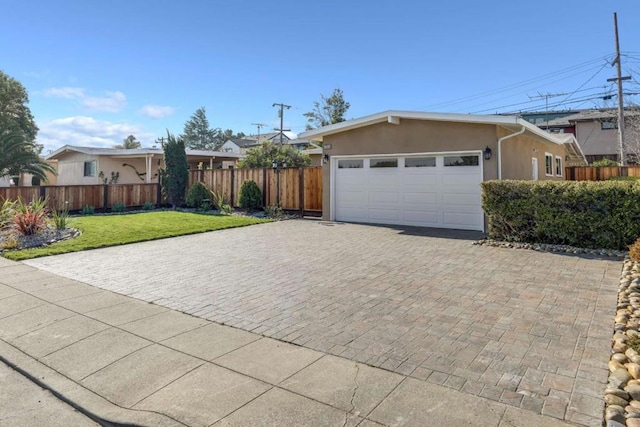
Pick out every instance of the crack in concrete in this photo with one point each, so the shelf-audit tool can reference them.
(353, 396)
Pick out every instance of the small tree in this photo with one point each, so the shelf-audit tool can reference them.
(175, 175)
(250, 195)
(264, 155)
(328, 111)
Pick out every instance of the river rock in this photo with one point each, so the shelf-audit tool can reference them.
(630, 352)
(614, 365)
(621, 374)
(635, 359)
(612, 399)
(620, 357)
(614, 423)
(633, 369)
(633, 422)
(618, 392)
(634, 391)
(614, 412)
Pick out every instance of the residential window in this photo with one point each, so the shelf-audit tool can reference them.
(461, 161)
(608, 125)
(420, 162)
(548, 164)
(383, 163)
(350, 164)
(90, 168)
(558, 166)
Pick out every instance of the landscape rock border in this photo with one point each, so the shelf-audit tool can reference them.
(545, 247)
(622, 395)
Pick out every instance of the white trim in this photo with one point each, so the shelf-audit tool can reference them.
(334, 167)
(553, 166)
(534, 170)
(391, 116)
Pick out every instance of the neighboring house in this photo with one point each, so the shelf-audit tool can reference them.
(425, 169)
(272, 137)
(238, 145)
(315, 154)
(27, 180)
(91, 165)
(596, 131)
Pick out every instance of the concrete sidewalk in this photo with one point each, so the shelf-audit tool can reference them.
(127, 361)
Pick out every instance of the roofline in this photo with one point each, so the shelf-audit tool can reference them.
(138, 152)
(393, 116)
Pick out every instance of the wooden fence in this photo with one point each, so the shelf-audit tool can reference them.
(300, 190)
(603, 173)
(75, 197)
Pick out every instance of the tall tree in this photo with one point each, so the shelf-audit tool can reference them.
(175, 174)
(198, 135)
(14, 112)
(129, 143)
(328, 110)
(18, 155)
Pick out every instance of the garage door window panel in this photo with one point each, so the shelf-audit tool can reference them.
(383, 163)
(351, 164)
(420, 162)
(461, 161)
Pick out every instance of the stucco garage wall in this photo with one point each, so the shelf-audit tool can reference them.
(410, 136)
(518, 151)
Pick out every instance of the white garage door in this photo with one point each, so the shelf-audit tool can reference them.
(428, 190)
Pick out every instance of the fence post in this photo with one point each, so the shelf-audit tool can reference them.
(301, 190)
(264, 187)
(233, 187)
(43, 192)
(105, 197)
(202, 174)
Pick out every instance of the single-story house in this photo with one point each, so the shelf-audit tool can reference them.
(92, 165)
(425, 169)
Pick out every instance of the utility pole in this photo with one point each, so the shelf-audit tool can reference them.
(260, 126)
(281, 114)
(619, 79)
(546, 97)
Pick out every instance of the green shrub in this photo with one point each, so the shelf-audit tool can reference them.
(148, 206)
(273, 211)
(198, 193)
(59, 219)
(605, 163)
(88, 210)
(118, 207)
(634, 251)
(585, 214)
(221, 203)
(250, 195)
(7, 211)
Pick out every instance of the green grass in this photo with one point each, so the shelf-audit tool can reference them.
(103, 231)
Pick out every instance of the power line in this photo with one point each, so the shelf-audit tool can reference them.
(281, 114)
(528, 102)
(520, 84)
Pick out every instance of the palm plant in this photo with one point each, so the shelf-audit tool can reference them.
(18, 155)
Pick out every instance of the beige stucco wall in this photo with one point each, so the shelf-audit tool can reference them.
(416, 136)
(518, 151)
(71, 169)
(594, 141)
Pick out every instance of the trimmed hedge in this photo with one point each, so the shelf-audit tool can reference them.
(588, 214)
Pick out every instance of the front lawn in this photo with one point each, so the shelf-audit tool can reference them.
(111, 230)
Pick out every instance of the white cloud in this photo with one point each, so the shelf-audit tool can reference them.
(156, 111)
(112, 102)
(64, 92)
(88, 132)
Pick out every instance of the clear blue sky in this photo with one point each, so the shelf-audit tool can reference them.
(97, 71)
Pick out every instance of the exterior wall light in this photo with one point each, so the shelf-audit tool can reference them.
(487, 153)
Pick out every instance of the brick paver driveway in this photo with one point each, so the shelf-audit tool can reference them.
(525, 328)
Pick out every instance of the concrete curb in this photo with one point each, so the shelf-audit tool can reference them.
(83, 400)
